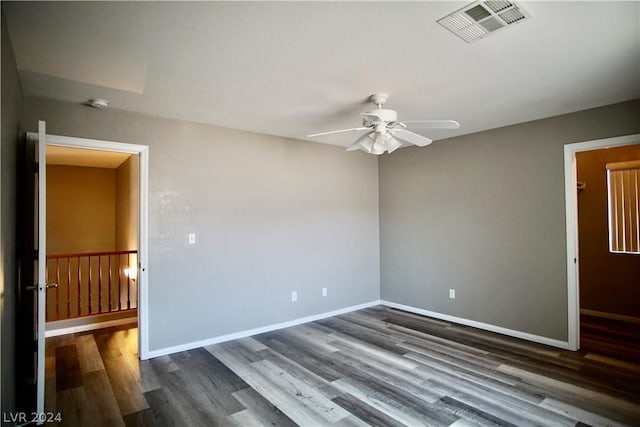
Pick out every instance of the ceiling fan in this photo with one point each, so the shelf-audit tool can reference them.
(385, 132)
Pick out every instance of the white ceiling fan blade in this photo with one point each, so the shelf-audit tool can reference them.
(336, 131)
(357, 145)
(412, 138)
(435, 124)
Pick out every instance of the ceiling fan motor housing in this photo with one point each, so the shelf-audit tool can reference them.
(385, 115)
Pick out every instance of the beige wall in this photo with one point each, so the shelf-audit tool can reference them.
(81, 209)
(608, 282)
(127, 204)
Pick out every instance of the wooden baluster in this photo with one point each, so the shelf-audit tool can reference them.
(90, 284)
(57, 289)
(119, 283)
(79, 296)
(128, 281)
(99, 283)
(84, 304)
(109, 283)
(68, 287)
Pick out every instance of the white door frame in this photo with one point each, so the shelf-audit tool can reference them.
(143, 183)
(571, 204)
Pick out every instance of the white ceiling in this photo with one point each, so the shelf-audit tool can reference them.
(82, 157)
(294, 68)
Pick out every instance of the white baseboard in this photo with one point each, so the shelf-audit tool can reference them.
(613, 316)
(89, 327)
(485, 326)
(256, 331)
(247, 333)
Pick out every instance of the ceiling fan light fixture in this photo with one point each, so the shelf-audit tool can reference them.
(379, 145)
(385, 133)
(392, 144)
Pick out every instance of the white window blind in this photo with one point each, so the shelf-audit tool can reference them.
(623, 182)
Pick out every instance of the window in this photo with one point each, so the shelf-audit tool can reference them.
(623, 182)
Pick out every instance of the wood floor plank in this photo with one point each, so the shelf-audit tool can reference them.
(493, 381)
(102, 402)
(408, 380)
(88, 354)
(165, 411)
(68, 374)
(288, 404)
(376, 366)
(261, 409)
(471, 414)
(365, 412)
(206, 382)
(393, 402)
(631, 366)
(312, 338)
(301, 373)
(50, 403)
(308, 360)
(374, 352)
(364, 334)
(307, 396)
(73, 406)
(189, 398)
(578, 414)
(623, 408)
(149, 379)
(124, 376)
(499, 405)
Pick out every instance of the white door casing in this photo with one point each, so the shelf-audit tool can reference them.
(571, 206)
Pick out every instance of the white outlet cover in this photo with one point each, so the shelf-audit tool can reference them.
(294, 296)
(452, 293)
(324, 292)
(192, 238)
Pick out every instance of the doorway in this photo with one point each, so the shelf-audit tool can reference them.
(572, 188)
(92, 239)
(118, 283)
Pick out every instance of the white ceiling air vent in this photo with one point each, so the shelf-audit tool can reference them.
(483, 18)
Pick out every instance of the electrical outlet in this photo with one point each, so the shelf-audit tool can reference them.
(294, 296)
(192, 238)
(452, 293)
(324, 292)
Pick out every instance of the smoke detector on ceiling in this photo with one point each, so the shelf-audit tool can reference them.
(98, 103)
(484, 18)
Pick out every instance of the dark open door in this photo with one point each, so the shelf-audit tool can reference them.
(31, 284)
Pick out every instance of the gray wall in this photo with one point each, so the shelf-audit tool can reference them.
(272, 215)
(11, 99)
(484, 214)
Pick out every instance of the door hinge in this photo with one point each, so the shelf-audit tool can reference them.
(575, 260)
(36, 168)
(35, 254)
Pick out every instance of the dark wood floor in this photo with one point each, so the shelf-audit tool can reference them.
(377, 366)
(610, 337)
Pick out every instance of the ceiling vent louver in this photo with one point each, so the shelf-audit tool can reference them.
(483, 18)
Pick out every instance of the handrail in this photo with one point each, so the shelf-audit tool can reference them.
(91, 283)
(79, 254)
